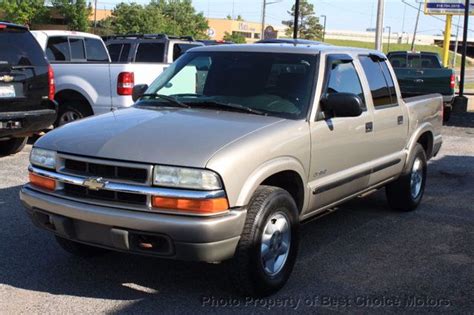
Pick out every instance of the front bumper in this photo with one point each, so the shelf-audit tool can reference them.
(31, 122)
(209, 239)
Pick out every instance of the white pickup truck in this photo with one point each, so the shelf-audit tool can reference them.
(87, 82)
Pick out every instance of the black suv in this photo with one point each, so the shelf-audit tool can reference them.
(26, 88)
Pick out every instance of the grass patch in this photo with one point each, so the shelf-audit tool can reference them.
(395, 47)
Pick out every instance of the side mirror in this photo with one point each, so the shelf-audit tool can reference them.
(138, 91)
(342, 105)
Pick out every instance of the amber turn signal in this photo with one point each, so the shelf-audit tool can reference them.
(198, 206)
(42, 182)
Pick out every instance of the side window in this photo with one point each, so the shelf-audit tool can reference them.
(150, 52)
(180, 49)
(378, 82)
(124, 53)
(398, 60)
(390, 84)
(77, 49)
(96, 50)
(58, 49)
(114, 51)
(343, 78)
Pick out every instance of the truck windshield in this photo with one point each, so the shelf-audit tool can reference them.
(415, 61)
(271, 83)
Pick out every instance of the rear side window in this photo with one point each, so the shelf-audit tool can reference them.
(19, 48)
(114, 51)
(380, 81)
(96, 50)
(343, 78)
(398, 60)
(180, 49)
(77, 49)
(119, 52)
(58, 49)
(150, 52)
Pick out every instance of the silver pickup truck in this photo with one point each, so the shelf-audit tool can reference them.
(228, 151)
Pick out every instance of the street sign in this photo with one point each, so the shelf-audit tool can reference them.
(445, 7)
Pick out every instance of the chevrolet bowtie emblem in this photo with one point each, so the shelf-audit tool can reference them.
(6, 78)
(95, 183)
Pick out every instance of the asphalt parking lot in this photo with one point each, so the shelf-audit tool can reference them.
(363, 258)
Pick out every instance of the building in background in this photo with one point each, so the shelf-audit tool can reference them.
(250, 30)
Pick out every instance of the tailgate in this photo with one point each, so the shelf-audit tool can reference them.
(144, 73)
(424, 81)
(23, 72)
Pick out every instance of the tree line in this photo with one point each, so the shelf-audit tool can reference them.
(176, 17)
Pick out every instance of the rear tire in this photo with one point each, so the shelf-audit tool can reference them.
(70, 112)
(12, 146)
(406, 192)
(447, 113)
(78, 249)
(268, 246)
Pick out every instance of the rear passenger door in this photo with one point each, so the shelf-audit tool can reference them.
(340, 145)
(390, 118)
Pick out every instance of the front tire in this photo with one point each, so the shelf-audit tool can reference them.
(268, 246)
(406, 192)
(12, 146)
(79, 249)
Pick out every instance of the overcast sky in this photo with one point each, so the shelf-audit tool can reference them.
(341, 14)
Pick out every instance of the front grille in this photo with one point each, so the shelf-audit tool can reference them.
(113, 172)
(104, 195)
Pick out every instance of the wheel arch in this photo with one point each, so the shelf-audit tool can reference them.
(285, 172)
(69, 95)
(424, 136)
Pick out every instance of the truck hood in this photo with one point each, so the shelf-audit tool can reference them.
(184, 137)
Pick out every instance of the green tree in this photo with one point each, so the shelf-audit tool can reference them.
(76, 13)
(173, 17)
(181, 18)
(308, 23)
(24, 12)
(135, 18)
(234, 37)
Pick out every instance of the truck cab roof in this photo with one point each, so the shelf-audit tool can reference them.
(296, 48)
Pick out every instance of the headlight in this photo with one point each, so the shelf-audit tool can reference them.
(43, 158)
(178, 177)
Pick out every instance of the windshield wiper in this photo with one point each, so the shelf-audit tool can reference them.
(170, 99)
(228, 106)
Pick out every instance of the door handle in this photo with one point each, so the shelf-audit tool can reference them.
(400, 120)
(369, 127)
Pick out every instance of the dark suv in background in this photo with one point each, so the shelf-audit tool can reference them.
(153, 48)
(26, 88)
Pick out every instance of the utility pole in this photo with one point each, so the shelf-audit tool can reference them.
(324, 27)
(262, 36)
(379, 25)
(416, 27)
(297, 16)
(95, 15)
(389, 35)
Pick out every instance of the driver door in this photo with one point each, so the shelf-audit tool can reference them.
(340, 145)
